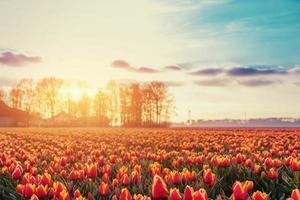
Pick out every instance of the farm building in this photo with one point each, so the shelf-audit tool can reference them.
(10, 117)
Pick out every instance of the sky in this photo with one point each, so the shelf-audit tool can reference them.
(220, 58)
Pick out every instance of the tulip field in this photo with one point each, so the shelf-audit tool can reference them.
(143, 164)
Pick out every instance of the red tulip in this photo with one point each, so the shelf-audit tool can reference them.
(240, 158)
(46, 179)
(125, 194)
(176, 178)
(188, 193)
(174, 194)
(34, 197)
(16, 173)
(209, 178)
(20, 189)
(41, 191)
(76, 193)
(29, 190)
(239, 192)
(91, 171)
(125, 180)
(159, 188)
(200, 195)
(258, 195)
(272, 174)
(295, 194)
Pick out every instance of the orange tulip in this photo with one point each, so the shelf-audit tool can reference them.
(125, 194)
(64, 195)
(248, 185)
(103, 189)
(258, 195)
(159, 188)
(295, 165)
(174, 194)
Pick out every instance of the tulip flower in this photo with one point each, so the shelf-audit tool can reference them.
(41, 191)
(176, 178)
(29, 190)
(295, 164)
(209, 178)
(159, 188)
(174, 194)
(125, 194)
(240, 158)
(46, 179)
(258, 195)
(295, 195)
(200, 195)
(239, 191)
(16, 173)
(64, 195)
(34, 197)
(76, 193)
(125, 180)
(272, 174)
(20, 189)
(91, 171)
(188, 193)
(103, 189)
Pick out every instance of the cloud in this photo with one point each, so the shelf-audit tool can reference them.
(212, 82)
(258, 82)
(251, 71)
(174, 83)
(145, 70)
(173, 67)
(17, 60)
(207, 72)
(121, 64)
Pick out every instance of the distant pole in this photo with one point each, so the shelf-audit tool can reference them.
(189, 117)
(245, 119)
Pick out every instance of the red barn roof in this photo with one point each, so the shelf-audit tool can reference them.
(6, 111)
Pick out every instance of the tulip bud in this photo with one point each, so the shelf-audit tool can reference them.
(259, 196)
(188, 193)
(159, 188)
(174, 194)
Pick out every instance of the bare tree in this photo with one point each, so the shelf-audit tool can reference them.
(48, 92)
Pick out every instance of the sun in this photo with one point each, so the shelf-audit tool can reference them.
(76, 93)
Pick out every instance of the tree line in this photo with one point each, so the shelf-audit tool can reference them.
(117, 104)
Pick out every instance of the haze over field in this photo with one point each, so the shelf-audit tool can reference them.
(220, 58)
